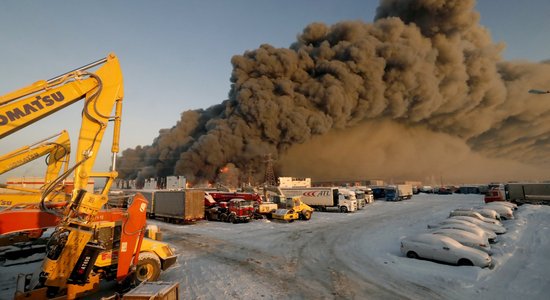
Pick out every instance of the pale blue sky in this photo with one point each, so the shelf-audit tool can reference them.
(175, 55)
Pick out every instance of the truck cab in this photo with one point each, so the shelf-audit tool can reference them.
(392, 194)
(494, 194)
(360, 196)
(347, 201)
(233, 211)
(398, 192)
(240, 210)
(369, 196)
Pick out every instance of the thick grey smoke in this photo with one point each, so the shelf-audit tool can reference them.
(387, 150)
(421, 64)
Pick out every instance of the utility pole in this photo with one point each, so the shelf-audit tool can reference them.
(269, 176)
(249, 175)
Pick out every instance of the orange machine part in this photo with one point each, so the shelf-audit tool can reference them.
(28, 218)
(32, 218)
(132, 235)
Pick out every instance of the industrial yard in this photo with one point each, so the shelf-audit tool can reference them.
(349, 256)
(391, 149)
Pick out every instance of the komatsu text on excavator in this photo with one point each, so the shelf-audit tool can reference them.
(90, 242)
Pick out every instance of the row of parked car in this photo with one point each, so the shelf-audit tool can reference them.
(464, 238)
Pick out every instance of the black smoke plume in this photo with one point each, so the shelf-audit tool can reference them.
(423, 67)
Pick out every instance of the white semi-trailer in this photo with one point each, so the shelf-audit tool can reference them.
(533, 193)
(323, 198)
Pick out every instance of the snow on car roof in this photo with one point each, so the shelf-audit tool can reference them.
(432, 239)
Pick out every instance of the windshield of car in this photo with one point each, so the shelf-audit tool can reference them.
(478, 215)
(475, 221)
(451, 243)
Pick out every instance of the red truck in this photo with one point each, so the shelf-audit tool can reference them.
(495, 194)
(261, 209)
(233, 211)
(226, 196)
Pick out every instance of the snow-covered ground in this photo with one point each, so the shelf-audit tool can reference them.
(350, 256)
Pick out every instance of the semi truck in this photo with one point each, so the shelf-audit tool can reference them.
(262, 208)
(399, 192)
(369, 195)
(495, 193)
(531, 193)
(324, 198)
(353, 194)
(364, 193)
(378, 192)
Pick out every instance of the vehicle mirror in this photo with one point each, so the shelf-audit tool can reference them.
(446, 248)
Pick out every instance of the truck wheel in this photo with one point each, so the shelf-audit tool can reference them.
(343, 209)
(223, 217)
(148, 267)
(306, 215)
(232, 219)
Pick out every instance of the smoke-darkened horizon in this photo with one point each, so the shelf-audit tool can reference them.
(421, 68)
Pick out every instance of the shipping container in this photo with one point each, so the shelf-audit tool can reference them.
(148, 194)
(178, 206)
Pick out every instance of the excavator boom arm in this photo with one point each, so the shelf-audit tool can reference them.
(16, 115)
(101, 89)
(58, 153)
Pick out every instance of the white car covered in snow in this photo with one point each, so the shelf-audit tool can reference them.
(487, 212)
(474, 214)
(505, 211)
(498, 229)
(443, 249)
(465, 238)
(511, 205)
(489, 235)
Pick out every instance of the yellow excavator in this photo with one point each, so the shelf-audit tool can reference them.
(57, 154)
(90, 243)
